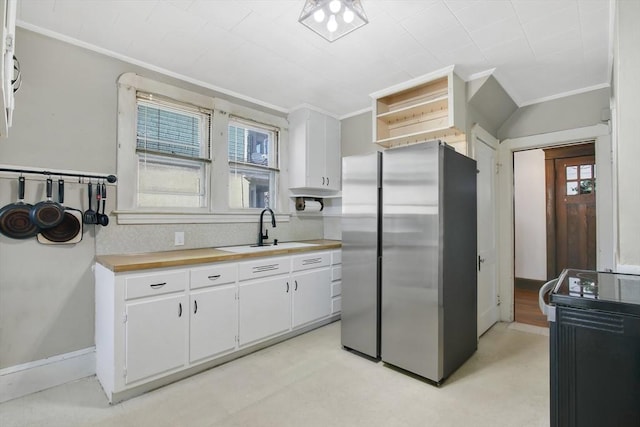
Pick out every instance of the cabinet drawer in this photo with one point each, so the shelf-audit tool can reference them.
(336, 273)
(336, 305)
(263, 267)
(144, 285)
(213, 275)
(336, 257)
(336, 289)
(310, 260)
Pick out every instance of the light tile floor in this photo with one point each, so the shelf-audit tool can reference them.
(310, 381)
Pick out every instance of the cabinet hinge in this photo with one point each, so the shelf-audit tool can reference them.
(9, 43)
(498, 165)
(124, 373)
(498, 300)
(237, 296)
(124, 318)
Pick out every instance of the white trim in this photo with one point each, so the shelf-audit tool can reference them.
(31, 377)
(565, 94)
(480, 74)
(146, 65)
(137, 217)
(314, 108)
(506, 149)
(413, 82)
(627, 269)
(356, 113)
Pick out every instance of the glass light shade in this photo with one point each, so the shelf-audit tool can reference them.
(339, 24)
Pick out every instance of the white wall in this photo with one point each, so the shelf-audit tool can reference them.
(530, 215)
(627, 132)
(65, 118)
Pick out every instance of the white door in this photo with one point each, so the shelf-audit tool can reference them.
(332, 148)
(213, 322)
(315, 160)
(311, 296)
(485, 153)
(264, 309)
(155, 336)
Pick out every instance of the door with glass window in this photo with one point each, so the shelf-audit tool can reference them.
(571, 208)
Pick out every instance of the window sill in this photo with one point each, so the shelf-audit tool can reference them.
(137, 217)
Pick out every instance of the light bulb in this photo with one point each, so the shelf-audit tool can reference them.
(348, 16)
(318, 15)
(332, 25)
(335, 6)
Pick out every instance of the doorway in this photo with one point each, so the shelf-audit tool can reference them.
(554, 220)
(606, 225)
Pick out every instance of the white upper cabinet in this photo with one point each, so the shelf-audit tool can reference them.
(7, 72)
(314, 162)
(426, 108)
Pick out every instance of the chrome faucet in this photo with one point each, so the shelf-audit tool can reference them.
(265, 236)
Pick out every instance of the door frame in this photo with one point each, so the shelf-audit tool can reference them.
(605, 220)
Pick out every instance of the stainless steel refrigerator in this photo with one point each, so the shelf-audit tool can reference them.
(361, 225)
(420, 311)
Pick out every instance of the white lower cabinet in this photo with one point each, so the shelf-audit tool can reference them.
(336, 282)
(154, 326)
(213, 315)
(265, 309)
(311, 296)
(155, 332)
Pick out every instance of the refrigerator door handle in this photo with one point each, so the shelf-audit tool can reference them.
(480, 261)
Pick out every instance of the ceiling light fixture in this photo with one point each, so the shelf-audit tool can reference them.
(333, 19)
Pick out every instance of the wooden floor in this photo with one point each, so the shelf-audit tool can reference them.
(526, 306)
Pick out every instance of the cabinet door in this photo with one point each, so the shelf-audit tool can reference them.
(311, 296)
(315, 161)
(332, 150)
(213, 322)
(264, 309)
(156, 332)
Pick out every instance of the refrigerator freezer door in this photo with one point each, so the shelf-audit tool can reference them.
(411, 311)
(360, 254)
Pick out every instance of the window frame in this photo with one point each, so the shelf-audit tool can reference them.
(203, 160)
(218, 210)
(273, 165)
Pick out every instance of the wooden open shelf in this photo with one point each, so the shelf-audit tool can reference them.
(432, 108)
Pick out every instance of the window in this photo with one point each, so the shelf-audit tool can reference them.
(188, 158)
(253, 164)
(172, 146)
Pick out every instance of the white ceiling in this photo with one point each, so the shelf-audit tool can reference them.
(537, 49)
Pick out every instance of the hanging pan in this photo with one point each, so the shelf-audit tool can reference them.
(15, 220)
(47, 214)
(69, 231)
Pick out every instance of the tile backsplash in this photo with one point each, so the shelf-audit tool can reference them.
(122, 239)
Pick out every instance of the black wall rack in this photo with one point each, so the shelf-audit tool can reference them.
(108, 178)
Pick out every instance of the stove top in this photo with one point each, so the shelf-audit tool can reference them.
(595, 289)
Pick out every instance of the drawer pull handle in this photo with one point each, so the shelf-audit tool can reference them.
(311, 261)
(195, 306)
(296, 288)
(216, 277)
(287, 287)
(268, 267)
(179, 309)
(158, 285)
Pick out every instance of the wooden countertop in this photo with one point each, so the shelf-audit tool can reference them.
(144, 261)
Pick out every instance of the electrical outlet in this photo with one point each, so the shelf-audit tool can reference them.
(179, 238)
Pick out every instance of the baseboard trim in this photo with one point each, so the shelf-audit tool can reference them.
(530, 284)
(21, 380)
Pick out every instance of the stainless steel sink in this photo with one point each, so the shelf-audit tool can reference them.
(243, 249)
